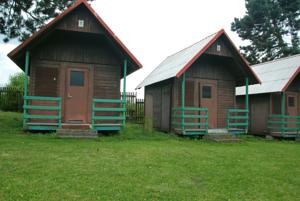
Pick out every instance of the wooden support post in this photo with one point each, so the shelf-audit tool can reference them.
(247, 103)
(124, 91)
(282, 112)
(25, 87)
(182, 101)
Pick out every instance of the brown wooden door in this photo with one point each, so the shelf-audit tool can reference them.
(208, 99)
(292, 106)
(76, 95)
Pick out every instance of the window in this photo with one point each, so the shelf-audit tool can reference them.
(80, 23)
(77, 78)
(219, 48)
(291, 101)
(206, 92)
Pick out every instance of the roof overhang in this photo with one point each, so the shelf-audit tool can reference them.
(250, 72)
(20, 50)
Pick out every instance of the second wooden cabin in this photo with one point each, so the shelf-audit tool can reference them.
(193, 90)
(274, 104)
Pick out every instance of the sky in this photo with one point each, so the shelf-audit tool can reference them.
(154, 29)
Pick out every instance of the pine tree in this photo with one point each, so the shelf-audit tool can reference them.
(271, 27)
(20, 18)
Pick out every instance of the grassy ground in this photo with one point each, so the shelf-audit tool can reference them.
(143, 166)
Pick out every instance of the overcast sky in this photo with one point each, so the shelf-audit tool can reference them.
(154, 29)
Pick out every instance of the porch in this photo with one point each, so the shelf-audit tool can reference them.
(42, 113)
(285, 124)
(194, 121)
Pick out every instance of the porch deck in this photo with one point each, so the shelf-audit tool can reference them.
(285, 126)
(45, 114)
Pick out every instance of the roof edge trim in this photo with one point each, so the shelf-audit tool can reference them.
(219, 33)
(291, 79)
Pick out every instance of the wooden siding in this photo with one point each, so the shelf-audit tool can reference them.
(50, 75)
(70, 22)
(78, 48)
(211, 68)
(155, 109)
(224, 48)
(107, 81)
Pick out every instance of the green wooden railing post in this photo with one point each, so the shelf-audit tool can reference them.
(182, 101)
(26, 86)
(124, 91)
(93, 114)
(59, 113)
(282, 112)
(247, 103)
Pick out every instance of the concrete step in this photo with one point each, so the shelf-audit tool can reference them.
(76, 133)
(223, 137)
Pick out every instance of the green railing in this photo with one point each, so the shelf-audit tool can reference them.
(285, 125)
(108, 122)
(190, 120)
(55, 119)
(237, 121)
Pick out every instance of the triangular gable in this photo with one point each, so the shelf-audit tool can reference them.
(14, 54)
(176, 64)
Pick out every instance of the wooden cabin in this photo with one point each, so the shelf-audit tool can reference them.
(193, 90)
(275, 103)
(75, 64)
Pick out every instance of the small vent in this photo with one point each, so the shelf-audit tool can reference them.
(80, 23)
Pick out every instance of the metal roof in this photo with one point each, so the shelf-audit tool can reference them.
(275, 75)
(174, 63)
(178, 63)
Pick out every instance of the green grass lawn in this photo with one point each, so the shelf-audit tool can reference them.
(136, 165)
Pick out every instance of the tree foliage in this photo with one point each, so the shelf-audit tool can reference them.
(272, 27)
(16, 81)
(20, 18)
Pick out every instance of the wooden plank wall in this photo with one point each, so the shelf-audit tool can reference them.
(209, 68)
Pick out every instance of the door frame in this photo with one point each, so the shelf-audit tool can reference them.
(199, 83)
(64, 83)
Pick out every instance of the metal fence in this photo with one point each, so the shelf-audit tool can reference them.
(11, 99)
(135, 108)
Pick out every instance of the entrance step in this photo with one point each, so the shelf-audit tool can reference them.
(218, 131)
(76, 126)
(76, 133)
(222, 137)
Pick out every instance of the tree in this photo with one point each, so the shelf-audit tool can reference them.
(272, 27)
(20, 18)
(16, 81)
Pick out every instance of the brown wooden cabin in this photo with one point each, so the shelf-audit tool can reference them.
(193, 90)
(75, 64)
(275, 103)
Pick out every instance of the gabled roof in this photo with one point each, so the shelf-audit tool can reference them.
(22, 47)
(175, 65)
(276, 76)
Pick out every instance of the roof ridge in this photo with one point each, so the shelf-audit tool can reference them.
(275, 60)
(192, 44)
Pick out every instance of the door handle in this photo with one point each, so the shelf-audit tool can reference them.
(69, 96)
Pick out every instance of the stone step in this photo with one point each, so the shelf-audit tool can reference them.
(76, 133)
(222, 137)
